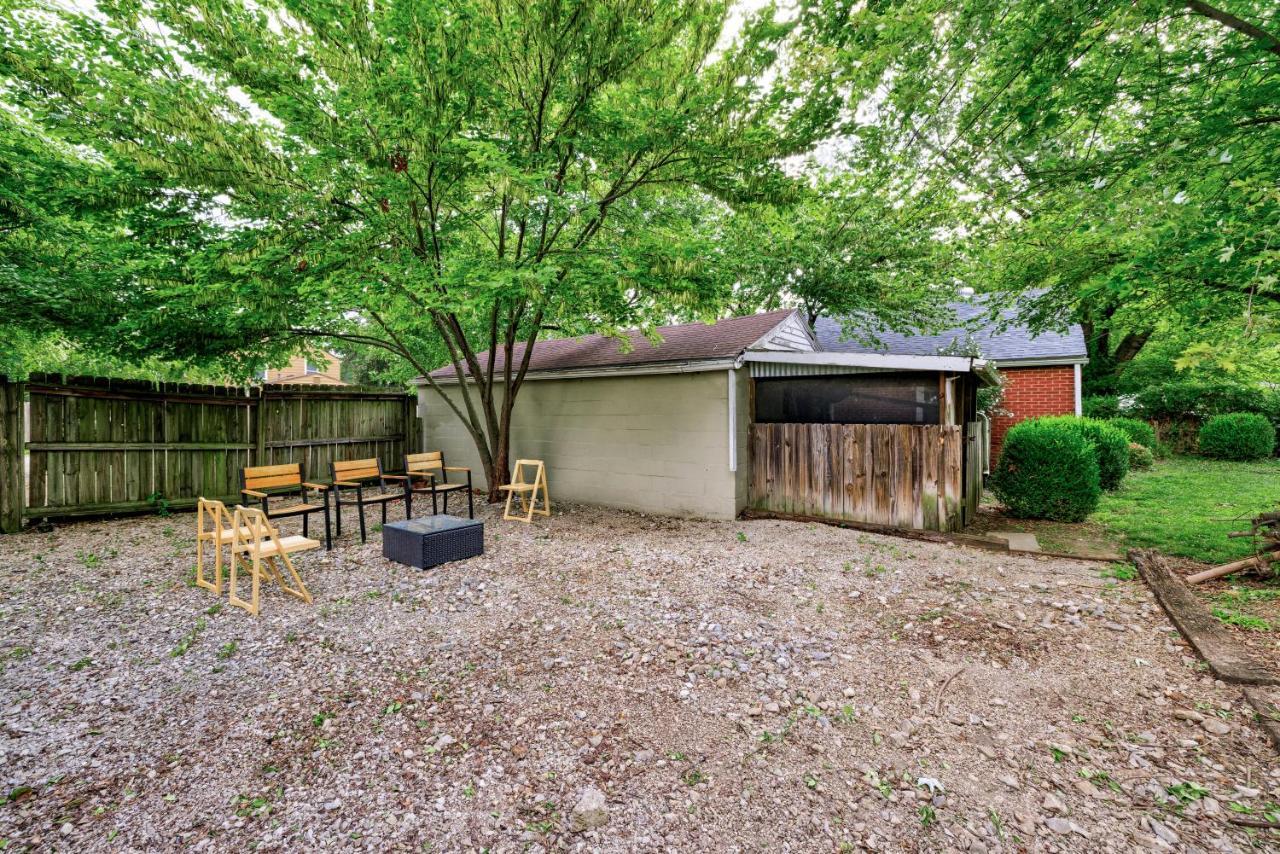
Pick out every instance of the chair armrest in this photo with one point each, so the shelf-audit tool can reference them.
(255, 493)
(457, 468)
(349, 483)
(395, 477)
(320, 486)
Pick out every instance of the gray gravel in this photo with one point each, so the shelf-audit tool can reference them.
(609, 681)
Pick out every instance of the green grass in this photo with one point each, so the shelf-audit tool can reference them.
(1186, 505)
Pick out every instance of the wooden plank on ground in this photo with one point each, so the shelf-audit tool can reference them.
(1228, 660)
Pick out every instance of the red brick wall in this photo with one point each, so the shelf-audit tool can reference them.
(1029, 392)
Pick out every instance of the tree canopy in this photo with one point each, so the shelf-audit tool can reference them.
(1120, 153)
(435, 180)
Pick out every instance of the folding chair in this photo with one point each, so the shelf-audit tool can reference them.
(260, 545)
(356, 475)
(428, 474)
(527, 491)
(214, 527)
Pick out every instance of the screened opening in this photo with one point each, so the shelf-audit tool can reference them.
(890, 398)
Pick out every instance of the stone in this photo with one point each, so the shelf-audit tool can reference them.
(1058, 825)
(1161, 830)
(590, 811)
(1052, 803)
(1216, 726)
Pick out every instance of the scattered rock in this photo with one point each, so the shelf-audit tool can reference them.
(590, 811)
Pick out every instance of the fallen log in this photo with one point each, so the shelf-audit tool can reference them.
(1228, 660)
(1235, 566)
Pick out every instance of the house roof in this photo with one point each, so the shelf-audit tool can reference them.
(1004, 343)
(690, 342)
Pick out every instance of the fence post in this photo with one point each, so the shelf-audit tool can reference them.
(260, 428)
(410, 425)
(13, 484)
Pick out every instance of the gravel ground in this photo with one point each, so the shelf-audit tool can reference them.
(608, 681)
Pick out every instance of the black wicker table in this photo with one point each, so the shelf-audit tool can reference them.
(433, 540)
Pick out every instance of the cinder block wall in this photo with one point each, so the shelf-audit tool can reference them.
(656, 444)
(1030, 392)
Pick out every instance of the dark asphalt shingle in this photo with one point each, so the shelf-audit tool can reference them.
(1013, 342)
(689, 342)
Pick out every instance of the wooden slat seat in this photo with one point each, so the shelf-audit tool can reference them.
(283, 545)
(428, 474)
(283, 481)
(349, 475)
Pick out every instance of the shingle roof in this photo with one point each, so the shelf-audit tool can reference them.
(1012, 343)
(689, 342)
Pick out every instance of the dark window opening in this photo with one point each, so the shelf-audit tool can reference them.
(896, 398)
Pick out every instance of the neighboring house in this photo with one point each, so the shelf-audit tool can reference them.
(1042, 371)
(743, 411)
(311, 370)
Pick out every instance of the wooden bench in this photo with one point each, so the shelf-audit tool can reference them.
(356, 475)
(428, 474)
(265, 482)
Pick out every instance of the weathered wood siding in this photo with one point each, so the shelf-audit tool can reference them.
(899, 475)
(99, 446)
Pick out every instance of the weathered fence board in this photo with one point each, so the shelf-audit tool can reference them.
(902, 475)
(98, 446)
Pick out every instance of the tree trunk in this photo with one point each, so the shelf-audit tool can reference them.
(499, 471)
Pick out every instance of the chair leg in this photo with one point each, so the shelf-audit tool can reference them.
(471, 502)
(434, 511)
(298, 589)
(506, 511)
(337, 512)
(408, 503)
(305, 517)
(360, 507)
(328, 538)
(384, 513)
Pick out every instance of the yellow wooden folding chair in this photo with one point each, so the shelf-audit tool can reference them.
(213, 528)
(260, 545)
(527, 491)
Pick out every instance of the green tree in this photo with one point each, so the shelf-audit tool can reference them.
(855, 244)
(432, 179)
(1121, 151)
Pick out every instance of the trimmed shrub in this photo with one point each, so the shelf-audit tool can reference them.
(1137, 430)
(1181, 399)
(1110, 445)
(1238, 436)
(1140, 456)
(1047, 470)
(1101, 406)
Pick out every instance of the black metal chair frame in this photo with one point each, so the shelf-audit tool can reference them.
(382, 497)
(301, 488)
(435, 490)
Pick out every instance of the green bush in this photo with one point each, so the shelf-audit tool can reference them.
(1140, 456)
(1181, 399)
(1110, 444)
(1137, 430)
(1101, 406)
(1047, 470)
(1238, 436)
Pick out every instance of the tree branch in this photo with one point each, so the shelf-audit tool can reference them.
(1253, 31)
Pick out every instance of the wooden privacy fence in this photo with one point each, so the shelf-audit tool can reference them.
(100, 446)
(899, 475)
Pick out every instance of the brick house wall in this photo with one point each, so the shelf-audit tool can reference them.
(1030, 392)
